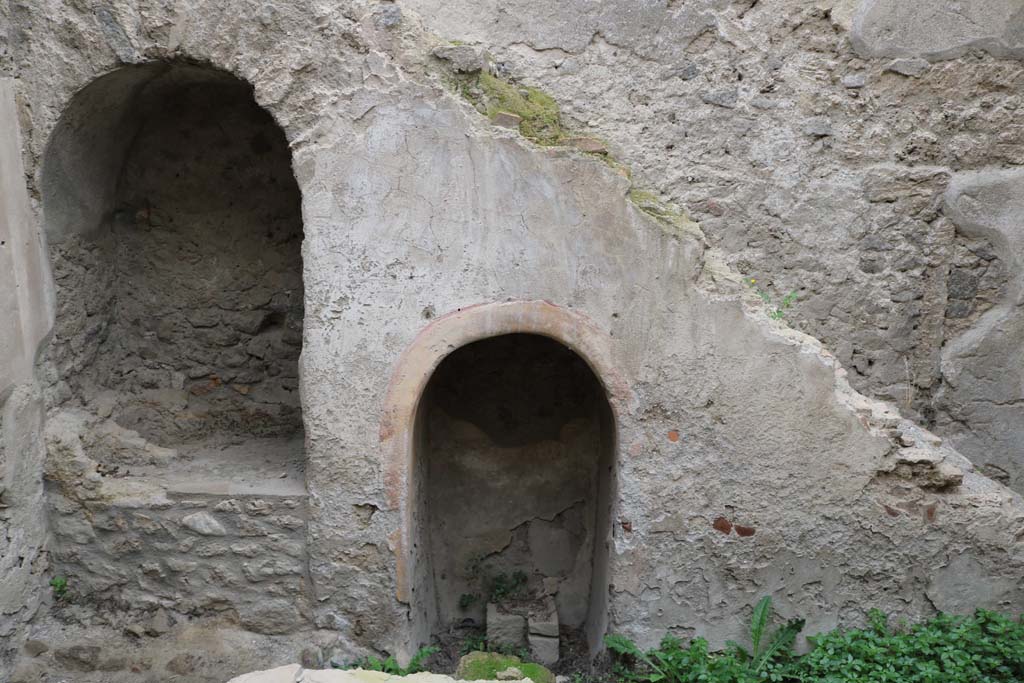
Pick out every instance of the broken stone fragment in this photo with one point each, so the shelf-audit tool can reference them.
(727, 97)
(509, 674)
(34, 648)
(543, 621)
(464, 59)
(505, 629)
(911, 66)
(506, 119)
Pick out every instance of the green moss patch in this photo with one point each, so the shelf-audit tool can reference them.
(541, 117)
(485, 666)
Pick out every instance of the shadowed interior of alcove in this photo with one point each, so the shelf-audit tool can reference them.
(515, 444)
(175, 230)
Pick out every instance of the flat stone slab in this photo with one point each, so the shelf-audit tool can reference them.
(293, 673)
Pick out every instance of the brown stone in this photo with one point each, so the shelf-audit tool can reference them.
(506, 119)
(588, 145)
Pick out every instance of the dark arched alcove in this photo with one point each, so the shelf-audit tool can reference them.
(175, 229)
(515, 447)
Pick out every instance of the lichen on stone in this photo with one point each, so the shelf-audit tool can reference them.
(667, 214)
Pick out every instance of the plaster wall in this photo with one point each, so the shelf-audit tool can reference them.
(26, 319)
(814, 142)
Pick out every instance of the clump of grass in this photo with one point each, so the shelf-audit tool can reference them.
(390, 665)
(59, 584)
(775, 312)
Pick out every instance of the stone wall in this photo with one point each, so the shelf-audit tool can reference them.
(745, 464)
(241, 557)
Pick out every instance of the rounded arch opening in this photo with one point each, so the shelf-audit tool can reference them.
(174, 225)
(513, 477)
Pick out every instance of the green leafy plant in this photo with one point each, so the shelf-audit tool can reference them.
(763, 650)
(59, 584)
(983, 648)
(506, 586)
(774, 312)
(390, 665)
(670, 662)
(467, 600)
(475, 643)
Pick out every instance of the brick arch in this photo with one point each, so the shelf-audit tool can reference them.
(410, 378)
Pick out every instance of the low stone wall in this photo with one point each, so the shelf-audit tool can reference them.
(194, 554)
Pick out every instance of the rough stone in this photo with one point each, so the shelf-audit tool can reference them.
(387, 15)
(78, 657)
(909, 67)
(510, 674)
(158, 624)
(464, 59)
(203, 523)
(854, 81)
(271, 616)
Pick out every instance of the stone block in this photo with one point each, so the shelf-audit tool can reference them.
(544, 649)
(505, 629)
(543, 621)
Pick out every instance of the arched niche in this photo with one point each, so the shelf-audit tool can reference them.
(500, 446)
(175, 229)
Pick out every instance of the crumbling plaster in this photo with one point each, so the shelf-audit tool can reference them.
(747, 464)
